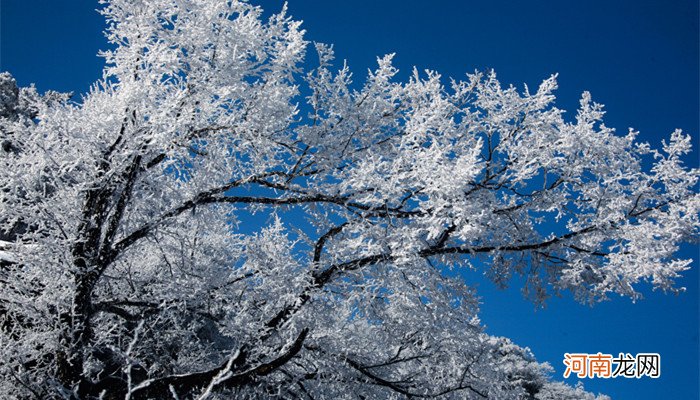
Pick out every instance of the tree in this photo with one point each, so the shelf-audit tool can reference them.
(188, 230)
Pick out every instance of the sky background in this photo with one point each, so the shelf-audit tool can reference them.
(639, 58)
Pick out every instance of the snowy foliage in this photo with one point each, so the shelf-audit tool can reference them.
(212, 220)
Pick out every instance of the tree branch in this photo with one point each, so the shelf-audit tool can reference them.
(185, 383)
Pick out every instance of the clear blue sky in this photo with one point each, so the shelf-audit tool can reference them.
(639, 58)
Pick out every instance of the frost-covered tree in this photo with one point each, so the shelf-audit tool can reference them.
(212, 221)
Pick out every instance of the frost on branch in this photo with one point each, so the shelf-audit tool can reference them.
(194, 227)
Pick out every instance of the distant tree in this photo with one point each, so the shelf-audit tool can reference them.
(210, 221)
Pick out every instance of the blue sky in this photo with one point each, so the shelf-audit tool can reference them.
(639, 58)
